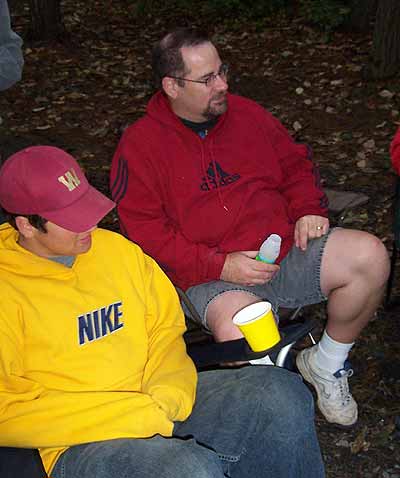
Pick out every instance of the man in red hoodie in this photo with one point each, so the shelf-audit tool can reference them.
(205, 176)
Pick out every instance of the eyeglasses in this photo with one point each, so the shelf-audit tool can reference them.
(211, 79)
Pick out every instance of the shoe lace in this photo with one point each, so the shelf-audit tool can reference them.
(342, 386)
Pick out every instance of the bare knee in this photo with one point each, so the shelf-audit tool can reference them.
(351, 255)
(372, 258)
(221, 311)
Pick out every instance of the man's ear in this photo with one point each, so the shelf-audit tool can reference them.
(170, 87)
(24, 227)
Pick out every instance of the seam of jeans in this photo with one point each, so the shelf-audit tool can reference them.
(236, 458)
(63, 469)
(229, 458)
(317, 275)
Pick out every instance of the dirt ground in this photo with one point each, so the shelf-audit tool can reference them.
(81, 93)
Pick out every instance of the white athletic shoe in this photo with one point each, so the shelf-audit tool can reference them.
(334, 398)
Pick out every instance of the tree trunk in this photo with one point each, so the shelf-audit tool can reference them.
(386, 41)
(362, 12)
(46, 20)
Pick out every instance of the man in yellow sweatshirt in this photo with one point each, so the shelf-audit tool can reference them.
(93, 367)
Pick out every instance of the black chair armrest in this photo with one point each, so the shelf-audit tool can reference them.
(215, 353)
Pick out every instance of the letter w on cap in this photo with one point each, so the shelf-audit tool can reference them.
(70, 180)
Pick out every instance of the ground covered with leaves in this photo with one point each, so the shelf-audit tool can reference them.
(79, 94)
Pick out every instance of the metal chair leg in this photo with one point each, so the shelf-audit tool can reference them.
(282, 356)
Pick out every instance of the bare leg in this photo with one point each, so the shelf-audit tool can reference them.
(354, 270)
(221, 311)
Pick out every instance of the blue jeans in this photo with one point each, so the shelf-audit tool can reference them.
(252, 422)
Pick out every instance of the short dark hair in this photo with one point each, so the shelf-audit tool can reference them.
(35, 220)
(167, 57)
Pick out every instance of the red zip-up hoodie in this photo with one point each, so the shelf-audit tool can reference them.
(395, 152)
(189, 201)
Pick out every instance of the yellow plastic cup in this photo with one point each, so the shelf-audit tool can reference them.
(257, 324)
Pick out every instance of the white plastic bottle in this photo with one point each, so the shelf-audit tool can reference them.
(270, 248)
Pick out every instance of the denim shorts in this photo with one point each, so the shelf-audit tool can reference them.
(297, 283)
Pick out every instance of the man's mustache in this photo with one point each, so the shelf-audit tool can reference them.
(219, 97)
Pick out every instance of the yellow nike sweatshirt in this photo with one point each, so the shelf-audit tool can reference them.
(88, 353)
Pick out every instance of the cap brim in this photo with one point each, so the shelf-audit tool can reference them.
(83, 214)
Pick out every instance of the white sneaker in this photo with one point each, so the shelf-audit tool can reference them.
(334, 398)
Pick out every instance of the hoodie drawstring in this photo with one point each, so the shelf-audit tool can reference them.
(214, 167)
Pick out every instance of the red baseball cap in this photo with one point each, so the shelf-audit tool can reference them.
(47, 181)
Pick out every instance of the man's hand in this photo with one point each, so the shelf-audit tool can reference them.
(309, 227)
(242, 268)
